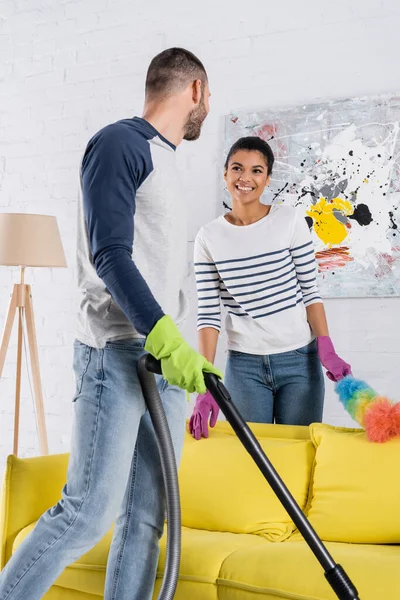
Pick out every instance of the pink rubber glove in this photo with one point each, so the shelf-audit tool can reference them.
(205, 408)
(336, 367)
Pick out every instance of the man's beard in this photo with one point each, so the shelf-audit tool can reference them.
(194, 122)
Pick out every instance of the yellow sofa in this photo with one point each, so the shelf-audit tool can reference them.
(237, 542)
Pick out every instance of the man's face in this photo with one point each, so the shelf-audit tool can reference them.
(197, 116)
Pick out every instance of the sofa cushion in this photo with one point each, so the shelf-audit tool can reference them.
(59, 593)
(286, 432)
(290, 571)
(355, 487)
(223, 490)
(203, 553)
(30, 487)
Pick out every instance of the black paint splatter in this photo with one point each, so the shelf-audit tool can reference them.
(362, 215)
(310, 222)
(351, 153)
(305, 191)
(280, 191)
(393, 224)
(226, 206)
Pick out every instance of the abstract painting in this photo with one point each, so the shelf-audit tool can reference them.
(339, 162)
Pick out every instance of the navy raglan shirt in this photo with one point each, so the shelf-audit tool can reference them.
(116, 163)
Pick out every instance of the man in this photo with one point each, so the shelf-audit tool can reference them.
(131, 267)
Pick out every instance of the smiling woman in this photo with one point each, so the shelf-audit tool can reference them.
(248, 173)
(259, 262)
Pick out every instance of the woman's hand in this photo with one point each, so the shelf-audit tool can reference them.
(336, 367)
(204, 409)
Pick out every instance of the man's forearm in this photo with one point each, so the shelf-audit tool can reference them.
(208, 341)
(128, 288)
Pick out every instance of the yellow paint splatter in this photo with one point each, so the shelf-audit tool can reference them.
(326, 225)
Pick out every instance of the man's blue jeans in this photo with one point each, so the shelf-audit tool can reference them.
(114, 476)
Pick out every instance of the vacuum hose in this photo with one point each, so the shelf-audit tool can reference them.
(147, 366)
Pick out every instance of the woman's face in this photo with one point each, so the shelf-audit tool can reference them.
(246, 176)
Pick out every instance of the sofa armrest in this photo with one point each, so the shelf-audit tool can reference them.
(30, 487)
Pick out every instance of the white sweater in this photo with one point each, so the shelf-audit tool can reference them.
(265, 276)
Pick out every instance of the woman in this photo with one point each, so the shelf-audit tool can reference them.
(259, 262)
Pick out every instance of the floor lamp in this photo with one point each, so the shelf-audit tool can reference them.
(27, 241)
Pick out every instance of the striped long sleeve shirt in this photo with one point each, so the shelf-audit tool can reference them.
(263, 275)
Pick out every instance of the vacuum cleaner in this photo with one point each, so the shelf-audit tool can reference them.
(334, 573)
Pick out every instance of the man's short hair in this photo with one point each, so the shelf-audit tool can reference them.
(171, 71)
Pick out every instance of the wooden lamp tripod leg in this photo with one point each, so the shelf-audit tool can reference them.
(37, 386)
(8, 328)
(14, 304)
(18, 380)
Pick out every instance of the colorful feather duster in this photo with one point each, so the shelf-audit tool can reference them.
(376, 414)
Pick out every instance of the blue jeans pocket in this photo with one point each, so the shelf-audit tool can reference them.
(81, 361)
(130, 344)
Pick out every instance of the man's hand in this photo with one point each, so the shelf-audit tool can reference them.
(181, 365)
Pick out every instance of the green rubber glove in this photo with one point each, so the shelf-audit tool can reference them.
(180, 364)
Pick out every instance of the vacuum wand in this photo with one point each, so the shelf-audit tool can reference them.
(334, 573)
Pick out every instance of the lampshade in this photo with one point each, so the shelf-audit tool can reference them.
(30, 241)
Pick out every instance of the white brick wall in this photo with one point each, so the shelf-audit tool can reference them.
(69, 67)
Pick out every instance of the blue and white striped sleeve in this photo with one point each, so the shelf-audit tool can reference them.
(303, 255)
(208, 287)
